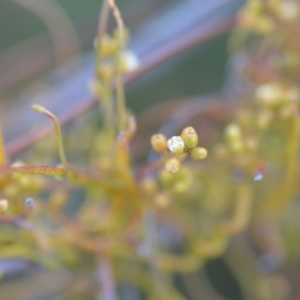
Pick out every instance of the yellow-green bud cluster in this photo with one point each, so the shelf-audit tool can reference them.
(186, 143)
(190, 138)
(179, 182)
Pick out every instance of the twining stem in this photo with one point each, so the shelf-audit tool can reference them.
(103, 18)
(242, 212)
(2, 150)
(121, 107)
(117, 14)
(119, 80)
(61, 151)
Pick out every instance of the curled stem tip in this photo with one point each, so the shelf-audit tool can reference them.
(61, 151)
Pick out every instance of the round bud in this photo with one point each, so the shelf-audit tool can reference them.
(176, 144)
(198, 153)
(191, 140)
(187, 130)
(107, 46)
(172, 165)
(3, 205)
(233, 132)
(106, 72)
(159, 143)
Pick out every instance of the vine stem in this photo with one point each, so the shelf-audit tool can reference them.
(121, 106)
(103, 19)
(62, 155)
(117, 14)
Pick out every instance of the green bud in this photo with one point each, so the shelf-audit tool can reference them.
(172, 165)
(106, 72)
(233, 132)
(191, 140)
(186, 131)
(107, 46)
(198, 153)
(159, 143)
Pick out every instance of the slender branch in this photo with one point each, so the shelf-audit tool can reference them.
(103, 19)
(117, 14)
(62, 155)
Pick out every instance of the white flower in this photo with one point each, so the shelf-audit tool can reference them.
(176, 144)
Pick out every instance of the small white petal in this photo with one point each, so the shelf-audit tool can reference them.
(176, 144)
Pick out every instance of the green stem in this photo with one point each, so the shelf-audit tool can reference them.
(61, 151)
(121, 107)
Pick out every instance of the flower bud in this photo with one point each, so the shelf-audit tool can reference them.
(106, 72)
(176, 144)
(3, 205)
(191, 140)
(190, 137)
(186, 131)
(159, 143)
(198, 153)
(107, 46)
(233, 132)
(172, 165)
